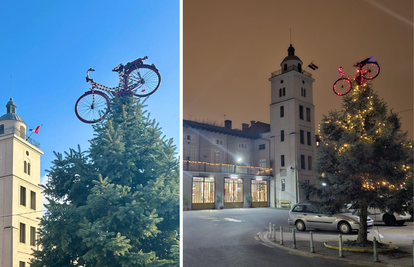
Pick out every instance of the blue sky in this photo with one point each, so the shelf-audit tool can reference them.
(47, 46)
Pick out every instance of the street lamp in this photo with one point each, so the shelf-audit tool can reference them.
(11, 247)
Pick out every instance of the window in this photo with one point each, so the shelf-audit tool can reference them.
(32, 236)
(22, 264)
(283, 184)
(22, 233)
(243, 145)
(203, 190)
(28, 168)
(301, 112)
(308, 135)
(233, 190)
(280, 92)
(303, 92)
(308, 114)
(302, 162)
(282, 160)
(299, 67)
(282, 111)
(189, 137)
(302, 137)
(2, 129)
(284, 91)
(22, 195)
(262, 146)
(219, 142)
(25, 167)
(33, 200)
(22, 132)
(282, 136)
(189, 152)
(299, 208)
(310, 163)
(259, 190)
(262, 163)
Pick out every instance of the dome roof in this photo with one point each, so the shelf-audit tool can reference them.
(11, 112)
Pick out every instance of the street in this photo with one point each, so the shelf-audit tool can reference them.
(229, 237)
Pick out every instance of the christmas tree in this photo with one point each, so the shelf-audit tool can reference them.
(363, 158)
(118, 203)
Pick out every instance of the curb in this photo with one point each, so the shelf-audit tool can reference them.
(263, 236)
(361, 250)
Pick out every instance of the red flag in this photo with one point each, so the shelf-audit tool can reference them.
(36, 130)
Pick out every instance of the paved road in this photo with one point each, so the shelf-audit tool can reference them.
(230, 237)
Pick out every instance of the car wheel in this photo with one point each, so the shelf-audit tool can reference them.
(300, 226)
(389, 220)
(344, 227)
(400, 223)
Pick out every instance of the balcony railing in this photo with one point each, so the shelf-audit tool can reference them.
(12, 130)
(291, 68)
(199, 166)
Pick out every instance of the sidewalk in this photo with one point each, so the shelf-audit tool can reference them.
(403, 256)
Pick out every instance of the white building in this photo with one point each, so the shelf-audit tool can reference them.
(266, 161)
(20, 193)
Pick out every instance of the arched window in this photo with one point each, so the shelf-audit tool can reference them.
(25, 167)
(280, 92)
(28, 168)
(2, 129)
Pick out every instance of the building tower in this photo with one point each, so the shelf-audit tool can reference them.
(292, 130)
(20, 193)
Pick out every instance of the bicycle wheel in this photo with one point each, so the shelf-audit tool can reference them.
(92, 107)
(370, 70)
(342, 86)
(142, 80)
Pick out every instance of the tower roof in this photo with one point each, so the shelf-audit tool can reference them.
(291, 54)
(11, 112)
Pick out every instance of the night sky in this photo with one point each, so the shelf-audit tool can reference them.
(231, 47)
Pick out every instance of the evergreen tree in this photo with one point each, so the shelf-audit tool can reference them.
(363, 158)
(118, 203)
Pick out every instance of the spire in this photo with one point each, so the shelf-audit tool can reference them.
(11, 106)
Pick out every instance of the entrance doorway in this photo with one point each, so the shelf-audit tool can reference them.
(233, 193)
(203, 193)
(259, 193)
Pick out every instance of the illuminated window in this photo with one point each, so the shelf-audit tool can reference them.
(233, 190)
(262, 163)
(203, 190)
(283, 184)
(259, 190)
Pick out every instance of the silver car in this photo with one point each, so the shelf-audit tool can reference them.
(304, 215)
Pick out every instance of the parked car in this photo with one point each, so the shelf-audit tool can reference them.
(304, 215)
(388, 218)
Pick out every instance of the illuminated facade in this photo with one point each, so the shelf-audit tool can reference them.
(266, 161)
(20, 193)
(225, 161)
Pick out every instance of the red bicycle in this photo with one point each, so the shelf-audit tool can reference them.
(135, 79)
(366, 70)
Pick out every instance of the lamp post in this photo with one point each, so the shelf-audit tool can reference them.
(11, 247)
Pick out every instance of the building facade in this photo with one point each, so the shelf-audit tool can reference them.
(266, 161)
(20, 191)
